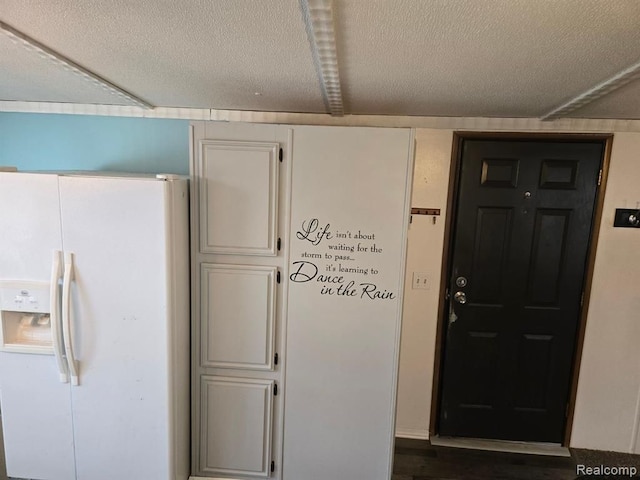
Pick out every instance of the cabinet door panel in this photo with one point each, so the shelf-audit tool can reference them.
(238, 310)
(235, 427)
(238, 184)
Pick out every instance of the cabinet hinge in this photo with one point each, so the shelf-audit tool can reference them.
(275, 389)
(280, 155)
(273, 466)
(279, 244)
(278, 276)
(600, 177)
(275, 359)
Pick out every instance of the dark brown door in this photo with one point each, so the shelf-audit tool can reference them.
(523, 221)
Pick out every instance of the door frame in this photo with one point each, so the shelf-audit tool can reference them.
(447, 256)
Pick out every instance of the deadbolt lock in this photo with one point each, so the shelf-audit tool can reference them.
(460, 297)
(461, 282)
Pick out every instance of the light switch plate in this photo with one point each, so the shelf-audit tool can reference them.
(420, 280)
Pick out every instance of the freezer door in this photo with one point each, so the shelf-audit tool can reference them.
(115, 230)
(36, 418)
(30, 225)
(36, 407)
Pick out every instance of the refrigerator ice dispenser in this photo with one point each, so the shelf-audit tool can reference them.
(25, 321)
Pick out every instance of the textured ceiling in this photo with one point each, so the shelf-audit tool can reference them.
(481, 58)
(468, 58)
(186, 53)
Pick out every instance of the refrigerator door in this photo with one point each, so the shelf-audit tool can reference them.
(36, 406)
(115, 229)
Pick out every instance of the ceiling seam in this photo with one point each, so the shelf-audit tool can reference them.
(318, 17)
(598, 91)
(58, 59)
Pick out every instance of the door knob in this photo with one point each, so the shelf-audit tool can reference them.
(460, 297)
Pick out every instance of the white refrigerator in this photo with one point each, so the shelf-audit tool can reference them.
(94, 310)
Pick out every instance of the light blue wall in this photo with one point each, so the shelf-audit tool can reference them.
(81, 142)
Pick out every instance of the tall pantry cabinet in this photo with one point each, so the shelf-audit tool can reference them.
(239, 229)
(298, 252)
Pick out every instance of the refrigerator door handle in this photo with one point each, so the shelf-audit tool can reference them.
(66, 317)
(54, 302)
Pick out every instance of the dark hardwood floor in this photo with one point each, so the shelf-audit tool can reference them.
(419, 460)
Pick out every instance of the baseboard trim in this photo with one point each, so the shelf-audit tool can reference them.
(531, 448)
(415, 434)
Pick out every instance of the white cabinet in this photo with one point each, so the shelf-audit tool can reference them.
(238, 197)
(237, 414)
(239, 248)
(238, 313)
(333, 319)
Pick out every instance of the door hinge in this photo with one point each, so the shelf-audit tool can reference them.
(278, 276)
(600, 177)
(279, 244)
(446, 293)
(275, 359)
(273, 466)
(275, 389)
(280, 155)
(582, 299)
(566, 411)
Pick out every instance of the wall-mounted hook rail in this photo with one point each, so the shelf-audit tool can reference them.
(425, 211)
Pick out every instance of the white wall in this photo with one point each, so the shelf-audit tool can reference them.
(606, 416)
(607, 412)
(424, 254)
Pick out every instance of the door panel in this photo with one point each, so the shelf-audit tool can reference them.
(238, 186)
(547, 256)
(483, 348)
(492, 239)
(237, 298)
(522, 229)
(235, 432)
(532, 379)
